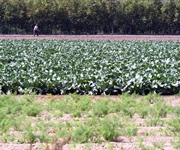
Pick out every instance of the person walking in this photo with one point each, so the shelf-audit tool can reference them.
(36, 30)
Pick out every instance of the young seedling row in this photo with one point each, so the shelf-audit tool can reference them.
(147, 122)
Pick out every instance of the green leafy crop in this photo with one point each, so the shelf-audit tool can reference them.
(89, 67)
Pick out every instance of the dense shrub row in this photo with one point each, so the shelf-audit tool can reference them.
(90, 16)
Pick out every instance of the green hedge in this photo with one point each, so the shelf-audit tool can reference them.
(90, 16)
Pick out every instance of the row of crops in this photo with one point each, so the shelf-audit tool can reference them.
(89, 67)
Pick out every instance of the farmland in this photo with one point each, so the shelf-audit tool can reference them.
(89, 67)
(113, 123)
(99, 65)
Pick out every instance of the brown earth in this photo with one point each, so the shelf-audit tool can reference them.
(94, 37)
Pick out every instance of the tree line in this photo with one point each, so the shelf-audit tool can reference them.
(90, 16)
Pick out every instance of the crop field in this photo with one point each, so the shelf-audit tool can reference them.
(110, 92)
(89, 67)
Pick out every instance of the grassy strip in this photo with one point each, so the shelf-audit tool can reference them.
(27, 119)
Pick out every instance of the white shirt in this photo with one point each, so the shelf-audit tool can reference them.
(35, 27)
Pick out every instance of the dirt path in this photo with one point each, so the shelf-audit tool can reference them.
(95, 37)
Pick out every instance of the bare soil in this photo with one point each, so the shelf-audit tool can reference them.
(94, 37)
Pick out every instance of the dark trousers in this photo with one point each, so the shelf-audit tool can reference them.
(35, 32)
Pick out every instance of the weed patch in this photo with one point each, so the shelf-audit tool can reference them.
(25, 120)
